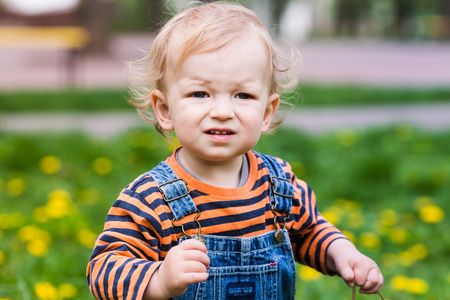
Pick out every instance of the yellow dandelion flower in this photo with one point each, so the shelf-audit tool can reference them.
(419, 251)
(2, 258)
(67, 291)
(417, 286)
(102, 166)
(348, 206)
(50, 164)
(308, 274)
(15, 186)
(4, 221)
(356, 220)
(37, 247)
(369, 240)
(45, 291)
(331, 216)
(37, 240)
(5, 299)
(389, 217)
(346, 137)
(40, 214)
(407, 259)
(13, 220)
(86, 237)
(399, 235)
(400, 283)
(431, 214)
(59, 204)
(389, 260)
(31, 232)
(88, 196)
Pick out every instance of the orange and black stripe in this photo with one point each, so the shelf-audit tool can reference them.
(139, 232)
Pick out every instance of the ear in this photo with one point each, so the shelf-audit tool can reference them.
(161, 109)
(272, 105)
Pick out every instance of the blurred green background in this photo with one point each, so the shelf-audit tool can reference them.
(387, 188)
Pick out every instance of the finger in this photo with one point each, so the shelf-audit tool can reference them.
(194, 272)
(361, 276)
(193, 244)
(197, 277)
(371, 280)
(194, 267)
(348, 275)
(197, 256)
(374, 283)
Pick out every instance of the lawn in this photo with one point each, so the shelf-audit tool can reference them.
(303, 96)
(386, 188)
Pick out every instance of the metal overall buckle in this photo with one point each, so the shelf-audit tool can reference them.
(279, 237)
(197, 237)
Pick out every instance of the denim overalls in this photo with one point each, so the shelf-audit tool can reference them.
(260, 267)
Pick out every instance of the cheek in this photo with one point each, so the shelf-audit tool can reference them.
(255, 118)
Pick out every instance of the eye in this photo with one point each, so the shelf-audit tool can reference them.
(244, 96)
(199, 95)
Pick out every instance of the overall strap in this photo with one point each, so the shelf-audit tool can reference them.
(282, 190)
(174, 191)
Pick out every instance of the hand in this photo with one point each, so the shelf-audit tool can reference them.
(184, 264)
(354, 267)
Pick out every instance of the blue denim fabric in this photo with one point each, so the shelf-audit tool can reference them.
(246, 268)
(282, 190)
(174, 191)
(241, 268)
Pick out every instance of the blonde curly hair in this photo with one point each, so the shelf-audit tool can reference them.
(201, 29)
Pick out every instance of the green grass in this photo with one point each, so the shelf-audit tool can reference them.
(56, 189)
(64, 100)
(317, 95)
(305, 96)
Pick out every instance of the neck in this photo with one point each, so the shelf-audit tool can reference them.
(220, 174)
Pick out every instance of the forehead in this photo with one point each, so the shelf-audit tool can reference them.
(237, 60)
(180, 48)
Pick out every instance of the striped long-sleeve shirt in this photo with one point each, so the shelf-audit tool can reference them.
(139, 232)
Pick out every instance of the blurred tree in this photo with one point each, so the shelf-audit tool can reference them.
(154, 13)
(97, 17)
(403, 12)
(349, 14)
(445, 11)
(277, 9)
(139, 15)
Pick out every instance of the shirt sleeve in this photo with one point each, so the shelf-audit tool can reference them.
(128, 251)
(311, 248)
(311, 234)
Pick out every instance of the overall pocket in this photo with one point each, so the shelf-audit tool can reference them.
(236, 283)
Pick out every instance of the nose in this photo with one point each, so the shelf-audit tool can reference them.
(222, 108)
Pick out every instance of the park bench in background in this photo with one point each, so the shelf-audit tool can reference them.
(71, 39)
(70, 26)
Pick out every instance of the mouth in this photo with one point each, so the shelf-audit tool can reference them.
(219, 132)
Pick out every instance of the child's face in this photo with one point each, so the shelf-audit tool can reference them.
(219, 103)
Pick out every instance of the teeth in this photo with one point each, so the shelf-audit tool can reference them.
(220, 132)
